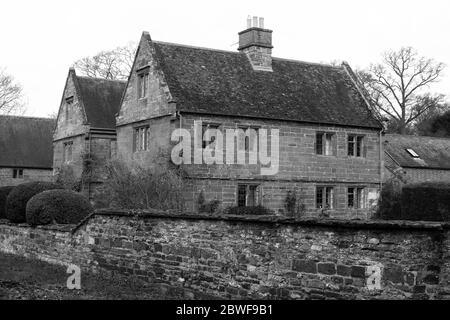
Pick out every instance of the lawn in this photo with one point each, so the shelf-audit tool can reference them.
(22, 278)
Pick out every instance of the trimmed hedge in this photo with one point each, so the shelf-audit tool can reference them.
(16, 202)
(57, 206)
(389, 203)
(426, 201)
(4, 191)
(255, 210)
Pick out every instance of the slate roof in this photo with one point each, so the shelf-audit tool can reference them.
(434, 153)
(223, 82)
(26, 142)
(101, 99)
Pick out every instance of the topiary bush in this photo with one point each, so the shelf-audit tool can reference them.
(16, 202)
(428, 201)
(57, 206)
(250, 210)
(4, 191)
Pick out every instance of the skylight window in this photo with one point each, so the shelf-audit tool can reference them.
(412, 153)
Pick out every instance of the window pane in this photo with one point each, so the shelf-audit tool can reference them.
(351, 145)
(351, 197)
(329, 198)
(360, 197)
(242, 194)
(359, 141)
(319, 145)
(319, 198)
(251, 199)
(328, 144)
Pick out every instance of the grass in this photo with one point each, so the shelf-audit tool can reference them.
(29, 279)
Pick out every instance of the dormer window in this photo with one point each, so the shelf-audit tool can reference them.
(412, 153)
(142, 83)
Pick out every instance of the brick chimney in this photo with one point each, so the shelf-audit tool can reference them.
(256, 42)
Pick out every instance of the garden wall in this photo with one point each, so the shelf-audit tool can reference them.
(246, 257)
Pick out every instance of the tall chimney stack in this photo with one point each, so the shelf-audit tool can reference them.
(256, 42)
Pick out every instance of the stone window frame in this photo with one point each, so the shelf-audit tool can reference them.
(362, 147)
(142, 82)
(18, 173)
(69, 102)
(257, 193)
(333, 140)
(138, 144)
(359, 199)
(332, 201)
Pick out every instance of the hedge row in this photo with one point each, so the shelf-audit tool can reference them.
(4, 192)
(426, 202)
(429, 201)
(16, 202)
(57, 206)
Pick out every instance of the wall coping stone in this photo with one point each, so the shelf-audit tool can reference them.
(273, 220)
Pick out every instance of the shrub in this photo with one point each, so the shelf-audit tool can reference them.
(4, 191)
(16, 202)
(426, 201)
(207, 207)
(65, 177)
(292, 205)
(135, 187)
(389, 202)
(57, 206)
(250, 210)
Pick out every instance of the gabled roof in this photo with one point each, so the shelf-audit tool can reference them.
(223, 82)
(26, 142)
(100, 98)
(434, 153)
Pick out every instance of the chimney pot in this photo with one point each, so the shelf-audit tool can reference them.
(256, 42)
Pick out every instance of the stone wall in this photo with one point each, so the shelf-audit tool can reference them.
(6, 176)
(195, 256)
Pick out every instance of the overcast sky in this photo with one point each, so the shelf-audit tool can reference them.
(41, 39)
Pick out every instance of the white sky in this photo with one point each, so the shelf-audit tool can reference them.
(39, 40)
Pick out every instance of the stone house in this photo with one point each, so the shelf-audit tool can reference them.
(26, 151)
(411, 159)
(329, 140)
(85, 134)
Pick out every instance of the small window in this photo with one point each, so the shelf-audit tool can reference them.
(325, 144)
(247, 195)
(355, 146)
(67, 153)
(412, 153)
(355, 198)
(324, 197)
(142, 84)
(141, 138)
(213, 138)
(17, 173)
(69, 102)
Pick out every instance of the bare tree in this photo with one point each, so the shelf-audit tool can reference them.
(113, 64)
(10, 94)
(396, 85)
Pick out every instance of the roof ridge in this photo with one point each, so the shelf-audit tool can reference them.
(307, 62)
(237, 52)
(195, 47)
(414, 136)
(102, 79)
